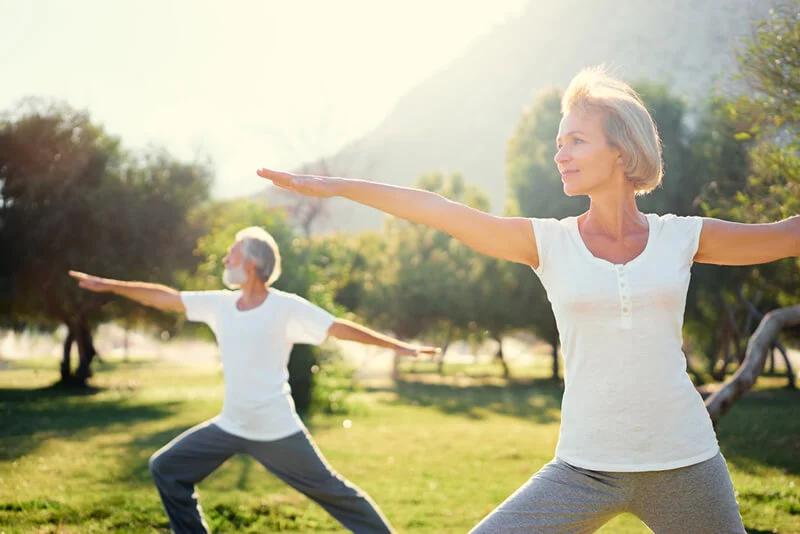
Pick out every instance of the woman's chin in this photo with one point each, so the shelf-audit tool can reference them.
(571, 191)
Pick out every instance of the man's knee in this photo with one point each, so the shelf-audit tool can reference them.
(157, 464)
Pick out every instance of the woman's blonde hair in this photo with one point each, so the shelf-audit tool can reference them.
(627, 124)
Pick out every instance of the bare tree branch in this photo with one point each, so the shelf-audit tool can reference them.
(762, 339)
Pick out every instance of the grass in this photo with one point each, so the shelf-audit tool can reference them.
(437, 455)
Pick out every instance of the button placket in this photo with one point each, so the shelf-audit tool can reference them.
(626, 318)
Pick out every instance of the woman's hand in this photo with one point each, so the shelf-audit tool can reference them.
(310, 186)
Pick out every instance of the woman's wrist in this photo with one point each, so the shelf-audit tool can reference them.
(340, 186)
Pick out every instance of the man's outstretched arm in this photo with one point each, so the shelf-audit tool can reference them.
(350, 331)
(153, 295)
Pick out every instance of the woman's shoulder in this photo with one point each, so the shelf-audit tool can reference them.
(554, 223)
(672, 220)
(674, 227)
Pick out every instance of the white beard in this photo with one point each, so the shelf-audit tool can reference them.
(234, 277)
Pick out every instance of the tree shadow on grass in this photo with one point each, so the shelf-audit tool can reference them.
(763, 429)
(30, 416)
(537, 400)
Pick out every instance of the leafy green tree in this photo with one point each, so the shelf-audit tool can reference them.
(422, 279)
(765, 121)
(535, 190)
(68, 203)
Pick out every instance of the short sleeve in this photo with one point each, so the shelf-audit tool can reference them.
(202, 306)
(685, 231)
(307, 322)
(544, 231)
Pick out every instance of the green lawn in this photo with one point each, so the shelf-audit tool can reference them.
(436, 455)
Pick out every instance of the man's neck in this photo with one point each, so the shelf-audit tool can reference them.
(253, 295)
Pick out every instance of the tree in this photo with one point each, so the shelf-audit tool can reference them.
(761, 341)
(766, 120)
(67, 205)
(424, 279)
(535, 190)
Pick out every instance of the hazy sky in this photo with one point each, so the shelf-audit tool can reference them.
(252, 83)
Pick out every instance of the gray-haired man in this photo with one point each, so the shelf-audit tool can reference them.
(255, 326)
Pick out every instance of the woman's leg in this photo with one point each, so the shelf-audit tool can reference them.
(560, 498)
(698, 499)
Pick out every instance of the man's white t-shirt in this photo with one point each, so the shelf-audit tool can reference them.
(254, 346)
(628, 403)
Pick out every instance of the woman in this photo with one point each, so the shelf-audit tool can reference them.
(635, 435)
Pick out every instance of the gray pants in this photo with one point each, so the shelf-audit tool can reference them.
(561, 498)
(196, 453)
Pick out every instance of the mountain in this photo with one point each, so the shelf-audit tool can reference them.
(461, 118)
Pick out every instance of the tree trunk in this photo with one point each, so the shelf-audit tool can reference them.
(66, 362)
(760, 342)
(724, 346)
(86, 350)
(126, 344)
(738, 334)
(554, 345)
(500, 356)
(755, 313)
(698, 378)
(395, 367)
(446, 345)
(789, 371)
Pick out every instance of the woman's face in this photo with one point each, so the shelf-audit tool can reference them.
(585, 160)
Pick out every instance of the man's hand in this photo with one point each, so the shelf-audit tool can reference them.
(415, 350)
(153, 295)
(92, 283)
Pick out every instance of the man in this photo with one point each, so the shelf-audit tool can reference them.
(255, 327)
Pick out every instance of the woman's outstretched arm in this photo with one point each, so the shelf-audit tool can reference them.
(507, 238)
(729, 243)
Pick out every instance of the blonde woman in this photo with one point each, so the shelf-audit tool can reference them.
(635, 435)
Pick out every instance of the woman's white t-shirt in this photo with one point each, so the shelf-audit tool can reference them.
(255, 345)
(628, 403)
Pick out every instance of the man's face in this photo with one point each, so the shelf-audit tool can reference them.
(235, 274)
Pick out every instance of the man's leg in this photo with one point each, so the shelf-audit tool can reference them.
(182, 463)
(297, 461)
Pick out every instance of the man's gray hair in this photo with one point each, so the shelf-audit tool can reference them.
(259, 247)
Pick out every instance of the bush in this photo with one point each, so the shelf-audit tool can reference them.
(321, 381)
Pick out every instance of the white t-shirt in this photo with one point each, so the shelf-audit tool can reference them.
(255, 346)
(628, 403)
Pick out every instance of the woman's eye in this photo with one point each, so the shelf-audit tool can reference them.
(578, 141)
